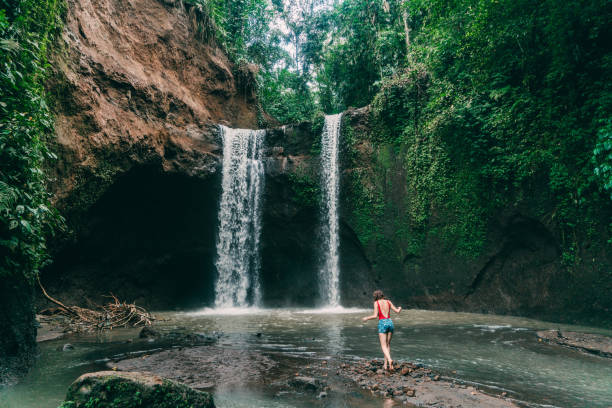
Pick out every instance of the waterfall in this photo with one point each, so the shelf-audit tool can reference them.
(330, 269)
(240, 219)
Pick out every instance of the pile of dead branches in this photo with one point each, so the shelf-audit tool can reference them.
(107, 317)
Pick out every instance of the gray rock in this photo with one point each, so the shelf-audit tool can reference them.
(148, 332)
(309, 384)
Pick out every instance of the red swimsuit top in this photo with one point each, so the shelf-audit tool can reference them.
(380, 315)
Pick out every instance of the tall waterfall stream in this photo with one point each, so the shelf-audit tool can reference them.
(330, 185)
(240, 219)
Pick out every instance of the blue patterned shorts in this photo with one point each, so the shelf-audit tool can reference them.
(385, 326)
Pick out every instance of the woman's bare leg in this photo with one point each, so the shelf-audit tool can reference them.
(385, 349)
(388, 341)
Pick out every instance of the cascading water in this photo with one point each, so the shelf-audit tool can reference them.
(330, 269)
(240, 219)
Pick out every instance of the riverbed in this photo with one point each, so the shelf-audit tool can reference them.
(493, 353)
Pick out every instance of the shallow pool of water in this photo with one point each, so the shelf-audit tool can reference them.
(498, 353)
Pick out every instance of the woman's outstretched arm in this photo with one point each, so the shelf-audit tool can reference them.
(395, 309)
(374, 314)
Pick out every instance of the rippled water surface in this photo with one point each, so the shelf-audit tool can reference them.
(497, 352)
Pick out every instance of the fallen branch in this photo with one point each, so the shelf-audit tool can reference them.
(112, 315)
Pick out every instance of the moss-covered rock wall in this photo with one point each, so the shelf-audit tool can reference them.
(439, 235)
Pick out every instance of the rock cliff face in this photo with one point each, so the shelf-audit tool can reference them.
(516, 267)
(138, 83)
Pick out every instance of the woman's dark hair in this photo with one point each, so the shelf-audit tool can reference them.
(378, 294)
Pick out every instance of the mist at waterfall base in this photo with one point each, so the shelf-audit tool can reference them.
(237, 289)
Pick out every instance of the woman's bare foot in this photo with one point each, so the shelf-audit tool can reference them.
(391, 368)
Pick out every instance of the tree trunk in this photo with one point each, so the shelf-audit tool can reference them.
(406, 33)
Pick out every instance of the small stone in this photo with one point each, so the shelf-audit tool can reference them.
(405, 371)
(148, 332)
(410, 393)
(67, 347)
(324, 362)
(322, 395)
(374, 387)
(436, 378)
(307, 384)
(503, 394)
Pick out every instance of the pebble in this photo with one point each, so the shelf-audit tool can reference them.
(68, 347)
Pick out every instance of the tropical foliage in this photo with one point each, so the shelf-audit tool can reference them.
(26, 218)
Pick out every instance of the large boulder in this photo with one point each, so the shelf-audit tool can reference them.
(132, 390)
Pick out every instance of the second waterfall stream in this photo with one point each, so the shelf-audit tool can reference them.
(330, 185)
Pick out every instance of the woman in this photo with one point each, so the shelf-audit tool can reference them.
(382, 309)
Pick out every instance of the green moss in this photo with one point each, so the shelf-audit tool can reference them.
(115, 391)
(305, 187)
(316, 127)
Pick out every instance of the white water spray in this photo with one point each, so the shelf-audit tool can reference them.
(240, 219)
(330, 182)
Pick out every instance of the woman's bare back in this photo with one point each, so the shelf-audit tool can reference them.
(385, 307)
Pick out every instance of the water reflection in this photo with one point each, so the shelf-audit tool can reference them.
(335, 340)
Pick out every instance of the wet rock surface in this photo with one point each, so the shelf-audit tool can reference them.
(131, 390)
(414, 385)
(587, 343)
(202, 367)
(50, 327)
(309, 384)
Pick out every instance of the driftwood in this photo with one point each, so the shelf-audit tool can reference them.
(112, 315)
